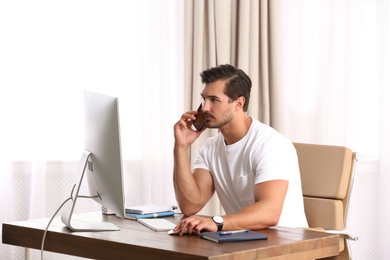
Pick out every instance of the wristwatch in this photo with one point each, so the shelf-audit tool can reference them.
(219, 221)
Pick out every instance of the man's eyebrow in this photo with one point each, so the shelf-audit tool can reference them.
(212, 96)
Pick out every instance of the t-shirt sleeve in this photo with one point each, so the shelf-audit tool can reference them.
(202, 160)
(275, 162)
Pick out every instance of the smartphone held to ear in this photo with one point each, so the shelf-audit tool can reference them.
(199, 122)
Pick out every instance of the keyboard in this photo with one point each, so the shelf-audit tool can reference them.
(157, 224)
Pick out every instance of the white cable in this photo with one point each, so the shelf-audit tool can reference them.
(48, 224)
(55, 214)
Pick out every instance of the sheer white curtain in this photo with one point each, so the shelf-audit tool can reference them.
(50, 51)
(336, 91)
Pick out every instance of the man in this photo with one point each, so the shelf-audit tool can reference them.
(253, 168)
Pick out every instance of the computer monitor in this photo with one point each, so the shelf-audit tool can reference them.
(101, 163)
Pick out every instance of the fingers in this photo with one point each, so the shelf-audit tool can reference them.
(182, 123)
(189, 116)
(186, 227)
(192, 225)
(184, 133)
(186, 119)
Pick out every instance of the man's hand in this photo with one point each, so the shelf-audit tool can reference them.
(196, 224)
(184, 134)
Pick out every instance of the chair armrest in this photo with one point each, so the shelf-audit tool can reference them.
(344, 232)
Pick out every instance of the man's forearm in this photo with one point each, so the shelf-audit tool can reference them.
(186, 189)
(255, 216)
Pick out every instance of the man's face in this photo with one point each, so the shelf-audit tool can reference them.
(217, 107)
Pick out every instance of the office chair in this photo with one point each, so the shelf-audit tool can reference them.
(327, 178)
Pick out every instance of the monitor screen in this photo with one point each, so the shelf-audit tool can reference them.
(101, 161)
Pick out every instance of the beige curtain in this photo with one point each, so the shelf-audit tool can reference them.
(244, 34)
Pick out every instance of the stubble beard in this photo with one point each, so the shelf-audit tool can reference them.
(221, 123)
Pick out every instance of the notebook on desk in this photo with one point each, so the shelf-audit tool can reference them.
(233, 236)
(133, 216)
(148, 211)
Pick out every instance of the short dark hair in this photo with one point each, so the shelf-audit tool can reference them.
(238, 83)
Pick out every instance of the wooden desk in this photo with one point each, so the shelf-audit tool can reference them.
(134, 241)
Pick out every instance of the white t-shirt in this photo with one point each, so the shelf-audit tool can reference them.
(261, 155)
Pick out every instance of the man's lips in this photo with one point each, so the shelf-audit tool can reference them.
(207, 116)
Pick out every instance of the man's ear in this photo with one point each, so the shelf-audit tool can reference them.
(240, 102)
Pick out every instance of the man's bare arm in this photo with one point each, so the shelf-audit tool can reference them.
(265, 212)
(192, 191)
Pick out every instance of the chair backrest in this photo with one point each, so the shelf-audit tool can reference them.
(327, 177)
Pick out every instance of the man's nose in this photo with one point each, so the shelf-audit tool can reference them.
(205, 106)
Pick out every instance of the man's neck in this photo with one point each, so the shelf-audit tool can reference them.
(235, 131)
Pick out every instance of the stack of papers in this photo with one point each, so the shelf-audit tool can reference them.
(149, 211)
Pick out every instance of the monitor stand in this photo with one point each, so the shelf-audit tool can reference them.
(77, 224)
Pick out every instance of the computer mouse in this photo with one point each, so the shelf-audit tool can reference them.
(173, 232)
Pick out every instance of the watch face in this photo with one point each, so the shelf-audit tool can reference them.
(218, 219)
